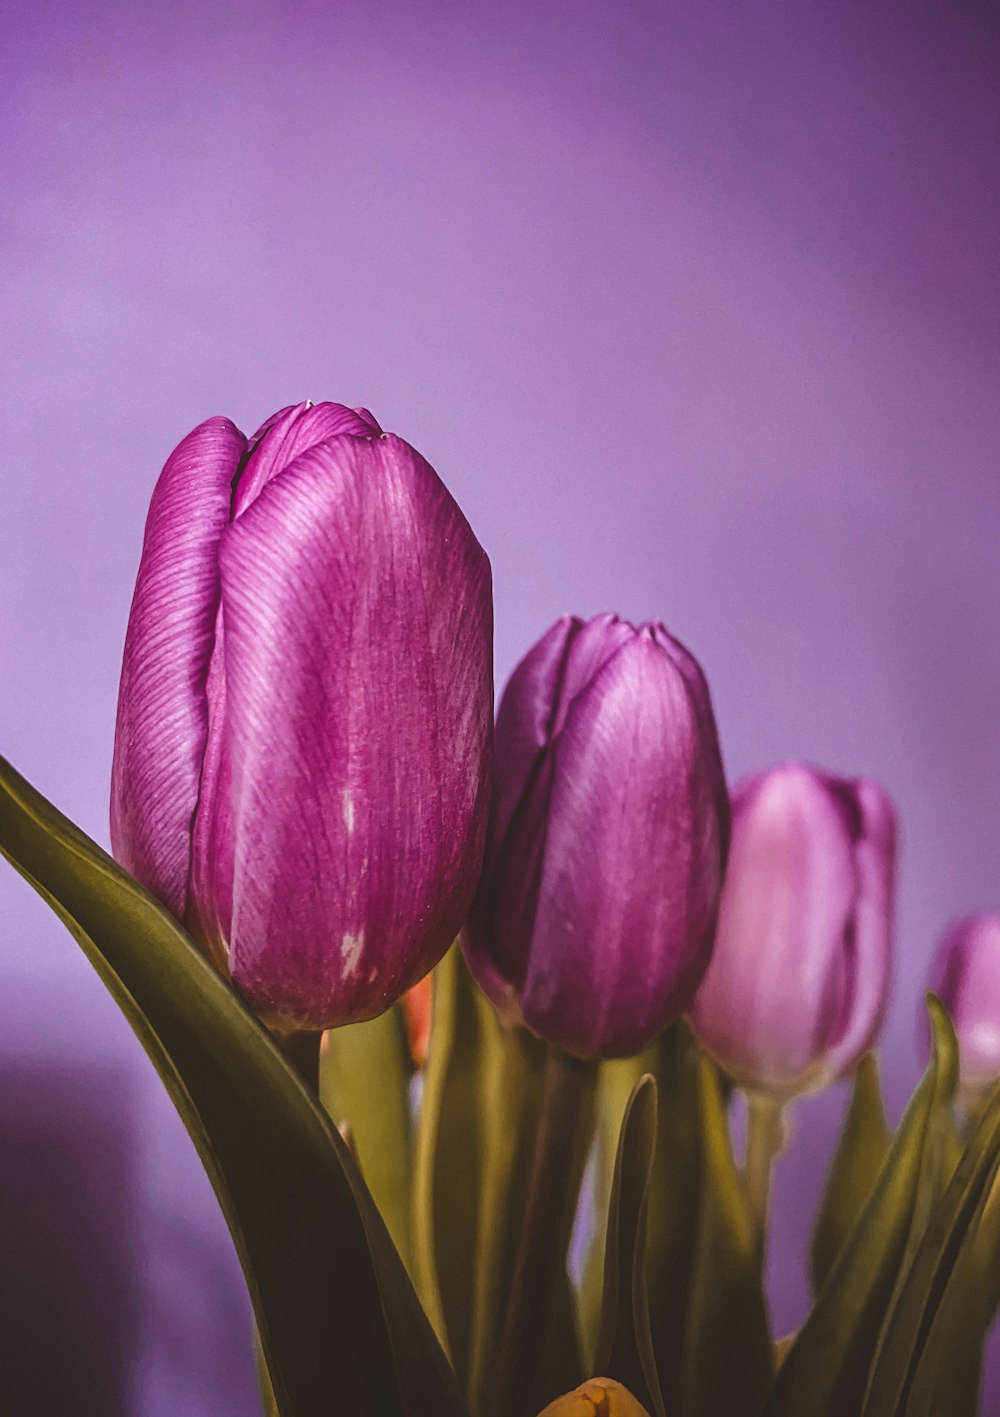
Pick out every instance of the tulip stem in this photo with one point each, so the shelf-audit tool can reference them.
(302, 1051)
(765, 1140)
(550, 1208)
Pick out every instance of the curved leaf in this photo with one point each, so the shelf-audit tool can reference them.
(339, 1323)
(860, 1153)
(942, 1147)
(675, 1202)
(474, 1151)
(949, 1370)
(624, 1344)
(616, 1081)
(728, 1352)
(510, 1099)
(949, 1234)
(537, 1345)
(826, 1371)
(447, 1178)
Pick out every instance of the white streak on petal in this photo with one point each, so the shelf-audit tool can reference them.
(350, 952)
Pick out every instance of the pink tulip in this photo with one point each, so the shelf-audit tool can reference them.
(965, 975)
(304, 723)
(799, 978)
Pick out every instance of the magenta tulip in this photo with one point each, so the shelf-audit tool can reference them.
(304, 722)
(965, 975)
(594, 918)
(799, 978)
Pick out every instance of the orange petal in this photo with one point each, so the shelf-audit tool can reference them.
(598, 1397)
(416, 1004)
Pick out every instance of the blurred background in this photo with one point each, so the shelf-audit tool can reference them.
(695, 307)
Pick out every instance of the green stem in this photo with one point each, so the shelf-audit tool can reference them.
(545, 1227)
(765, 1140)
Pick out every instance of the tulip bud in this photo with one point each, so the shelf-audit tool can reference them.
(594, 917)
(600, 1397)
(304, 721)
(799, 978)
(965, 975)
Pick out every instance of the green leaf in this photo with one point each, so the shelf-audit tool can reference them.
(364, 1080)
(728, 1359)
(269, 1407)
(864, 1142)
(675, 1202)
(448, 1174)
(616, 1081)
(474, 1148)
(949, 1233)
(941, 1148)
(539, 1338)
(340, 1325)
(949, 1372)
(949, 1369)
(826, 1370)
(624, 1344)
(510, 1098)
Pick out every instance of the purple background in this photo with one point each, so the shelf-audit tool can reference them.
(695, 307)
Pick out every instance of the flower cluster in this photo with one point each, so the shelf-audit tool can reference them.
(308, 784)
(302, 774)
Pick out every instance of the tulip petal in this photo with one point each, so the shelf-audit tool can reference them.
(764, 1005)
(535, 704)
(162, 711)
(524, 720)
(966, 978)
(611, 960)
(871, 937)
(290, 432)
(500, 929)
(587, 652)
(358, 621)
(701, 699)
(597, 1397)
(498, 936)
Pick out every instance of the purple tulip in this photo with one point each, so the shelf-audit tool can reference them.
(965, 975)
(799, 979)
(593, 921)
(304, 722)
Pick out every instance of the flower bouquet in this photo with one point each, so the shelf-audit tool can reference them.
(498, 1177)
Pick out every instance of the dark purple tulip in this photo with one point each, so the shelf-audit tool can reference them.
(965, 975)
(799, 978)
(593, 921)
(304, 722)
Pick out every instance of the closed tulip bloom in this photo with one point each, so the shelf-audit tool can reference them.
(598, 1397)
(965, 975)
(593, 921)
(799, 978)
(304, 721)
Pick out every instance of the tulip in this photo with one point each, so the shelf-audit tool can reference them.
(799, 979)
(965, 975)
(599, 1397)
(594, 918)
(304, 722)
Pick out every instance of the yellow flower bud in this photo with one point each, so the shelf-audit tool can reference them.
(598, 1397)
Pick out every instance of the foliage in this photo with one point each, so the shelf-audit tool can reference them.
(337, 1240)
